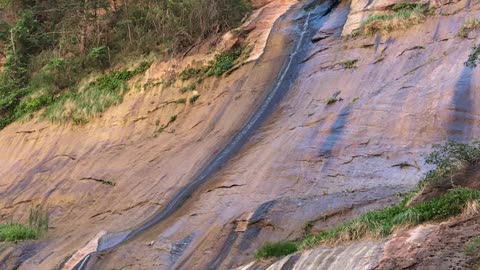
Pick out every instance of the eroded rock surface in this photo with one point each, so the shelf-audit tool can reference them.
(309, 160)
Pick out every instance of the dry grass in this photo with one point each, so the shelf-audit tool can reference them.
(468, 26)
(399, 17)
(471, 209)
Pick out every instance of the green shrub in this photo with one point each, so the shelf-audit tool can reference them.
(276, 249)
(98, 56)
(403, 6)
(473, 57)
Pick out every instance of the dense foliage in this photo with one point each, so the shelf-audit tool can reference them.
(50, 45)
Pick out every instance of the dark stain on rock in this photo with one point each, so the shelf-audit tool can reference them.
(336, 132)
(461, 107)
(179, 247)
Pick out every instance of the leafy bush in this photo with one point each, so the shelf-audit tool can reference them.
(189, 87)
(174, 25)
(77, 40)
(223, 62)
(31, 104)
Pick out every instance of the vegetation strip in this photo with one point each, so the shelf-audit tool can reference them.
(399, 16)
(50, 47)
(449, 159)
(37, 227)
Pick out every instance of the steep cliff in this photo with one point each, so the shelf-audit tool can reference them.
(312, 127)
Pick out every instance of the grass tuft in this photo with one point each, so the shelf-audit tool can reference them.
(473, 57)
(468, 26)
(332, 100)
(189, 73)
(36, 228)
(276, 249)
(399, 17)
(381, 223)
(349, 64)
(223, 62)
(16, 232)
(181, 101)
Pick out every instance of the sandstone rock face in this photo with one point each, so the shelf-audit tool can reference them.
(260, 3)
(400, 94)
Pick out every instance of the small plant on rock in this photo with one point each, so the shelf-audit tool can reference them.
(473, 57)
(468, 26)
(194, 98)
(349, 64)
(37, 227)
